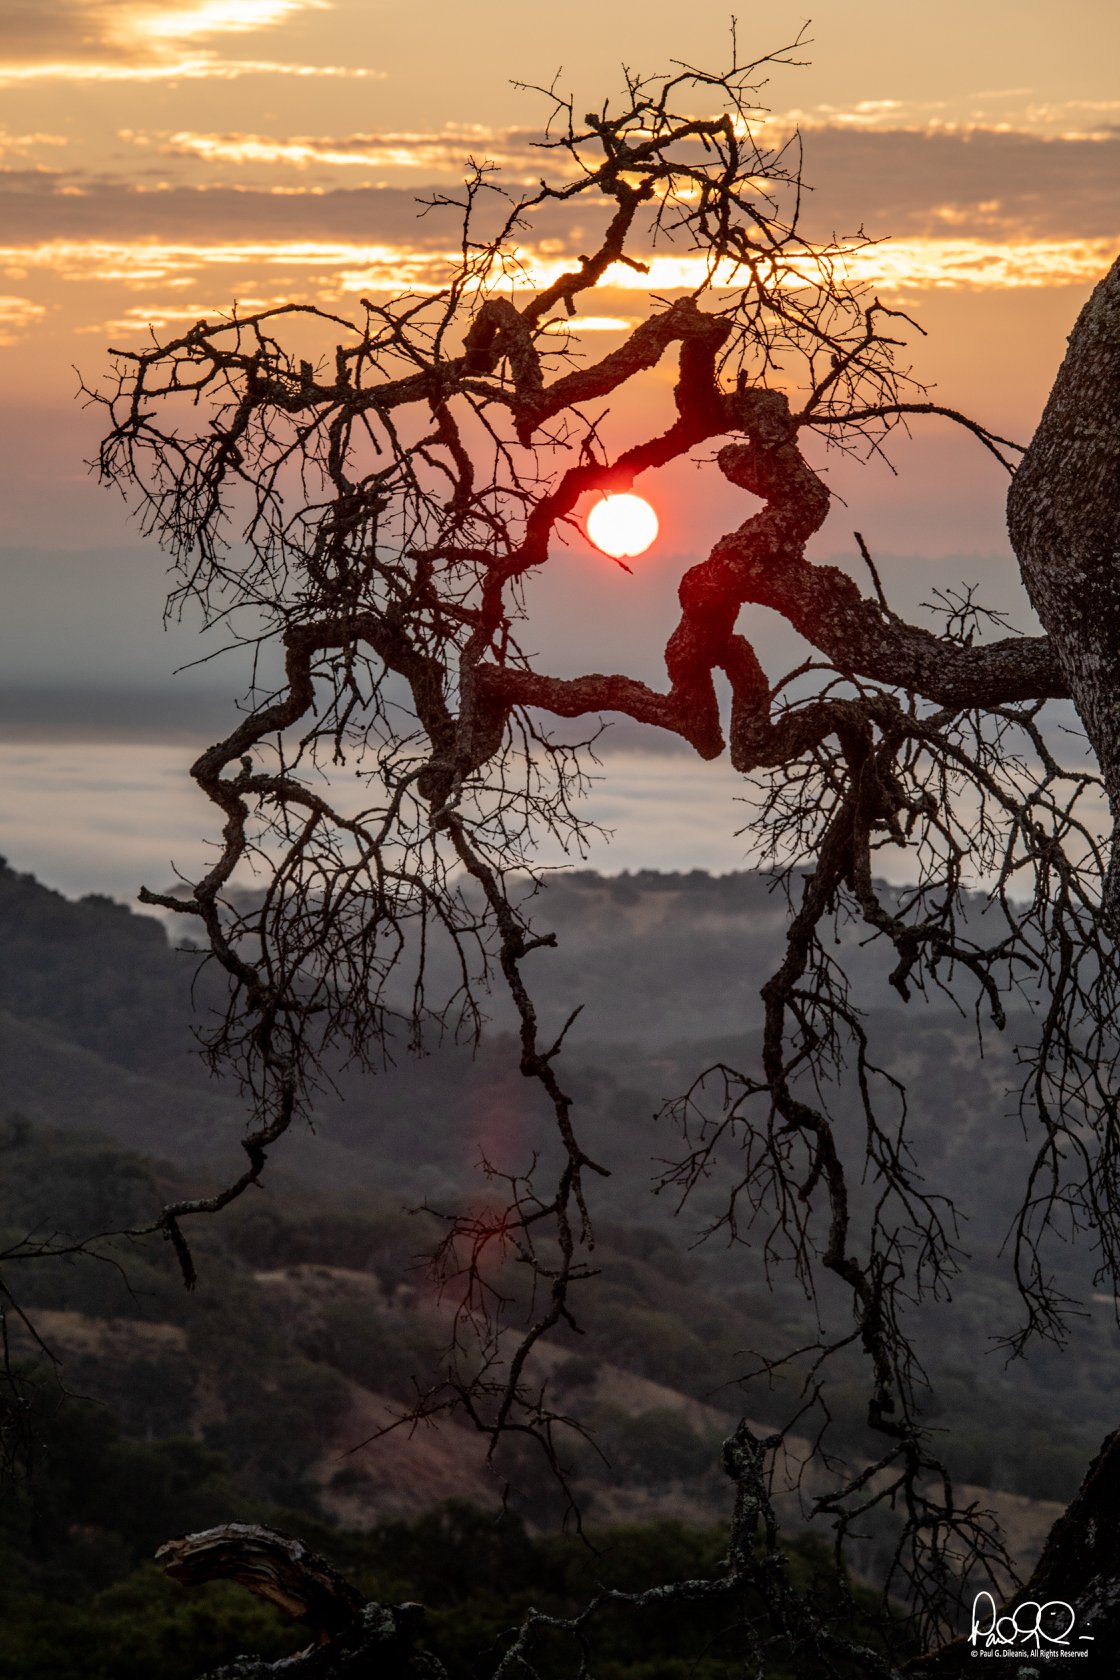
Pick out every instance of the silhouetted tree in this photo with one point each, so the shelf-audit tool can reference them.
(375, 513)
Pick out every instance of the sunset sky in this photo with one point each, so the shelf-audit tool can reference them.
(158, 161)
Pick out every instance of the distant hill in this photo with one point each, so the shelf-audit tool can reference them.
(95, 1013)
(98, 975)
(314, 1317)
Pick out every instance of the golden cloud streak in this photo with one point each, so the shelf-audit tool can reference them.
(1009, 112)
(172, 70)
(144, 261)
(336, 267)
(208, 17)
(16, 315)
(16, 145)
(909, 264)
(141, 317)
(143, 41)
(158, 315)
(513, 150)
(593, 323)
(447, 151)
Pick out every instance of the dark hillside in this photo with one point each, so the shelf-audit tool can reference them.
(101, 977)
(95, 1034)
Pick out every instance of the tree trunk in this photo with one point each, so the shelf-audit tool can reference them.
(1063, 515)
(1079, 1567)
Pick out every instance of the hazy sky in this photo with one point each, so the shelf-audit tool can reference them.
(159, 160)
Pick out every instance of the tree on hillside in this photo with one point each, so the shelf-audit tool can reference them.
(376, 513)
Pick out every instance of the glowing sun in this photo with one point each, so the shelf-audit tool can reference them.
(622, 526)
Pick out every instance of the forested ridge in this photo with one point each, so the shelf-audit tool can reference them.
(314, 1310)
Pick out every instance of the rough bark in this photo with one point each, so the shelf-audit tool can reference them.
(1079, 1567)
(275, 1567)
(1063, 514)
(353, 1638)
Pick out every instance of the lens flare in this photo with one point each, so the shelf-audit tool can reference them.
(622, 526)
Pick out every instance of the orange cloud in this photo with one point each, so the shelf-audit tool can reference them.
(983, 212)
(142, 20)
(17, 314)
(22, 145)
(999, 184)
(340, 267)
(444, 153)
(156, 316)
(993, 111)
(139, 40)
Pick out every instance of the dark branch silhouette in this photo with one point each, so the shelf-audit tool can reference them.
(374, 511)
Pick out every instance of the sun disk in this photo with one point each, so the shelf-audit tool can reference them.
(622, 526)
